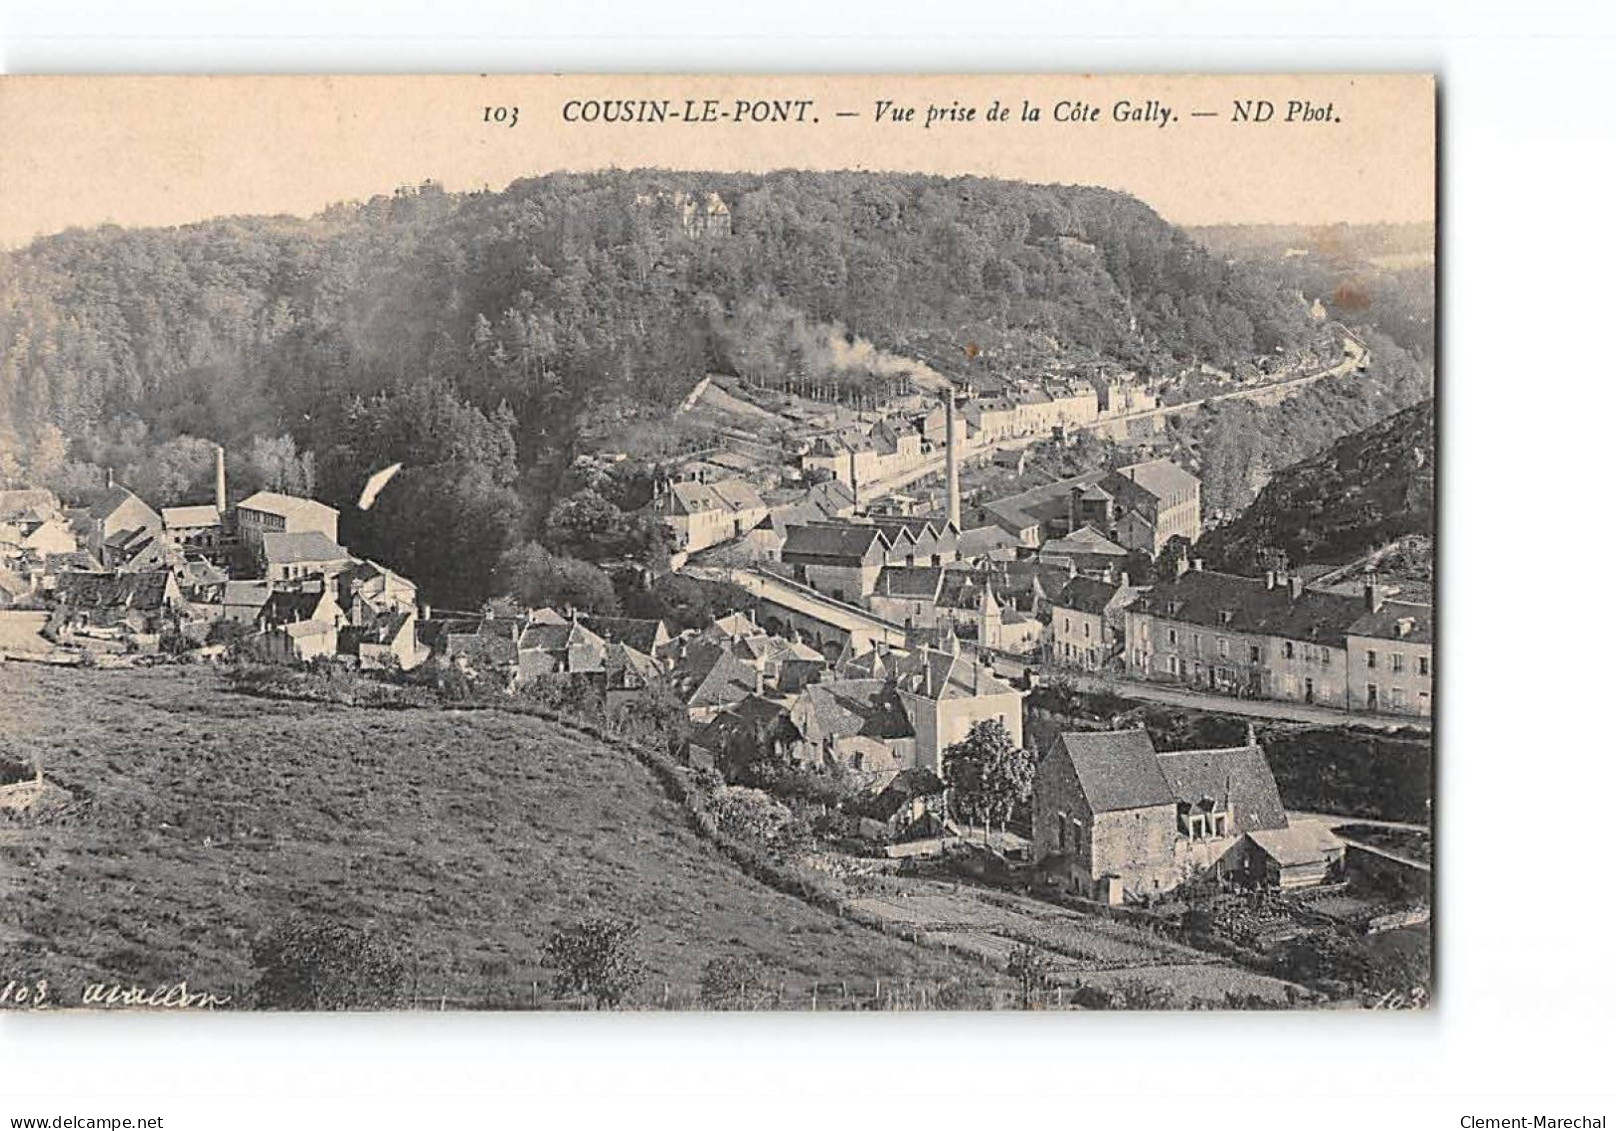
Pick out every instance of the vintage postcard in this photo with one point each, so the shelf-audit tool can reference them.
(717, 542)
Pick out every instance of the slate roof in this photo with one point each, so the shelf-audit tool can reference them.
(709, 674)
(914, 582)
(984, 540)
(303, 546)
(832, 496)
(1085, 540)
(21, 502)
(1240, 774)
(205, 514)
(935, 674)
(845, 707)
(1116, 770)
(246, 592)
(1086, 595)
(290, 606)
(1161, 477)
(142, 591)
(735, 625)
(1383, 625)
(628, 667)
(288, 506)
(1247, 605)
(639, 634)
(1038, 505)
(110, 500)
(918, 526)
(830, 543)
(1305, 842)
(738, 495)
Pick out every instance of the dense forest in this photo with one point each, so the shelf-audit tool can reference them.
(472, 337)
(1366, 490)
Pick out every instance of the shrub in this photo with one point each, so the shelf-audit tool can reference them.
(730, 982)
(321, 965)
(595, 959)
(1030, 967)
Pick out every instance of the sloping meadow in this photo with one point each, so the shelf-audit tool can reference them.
(200, 818)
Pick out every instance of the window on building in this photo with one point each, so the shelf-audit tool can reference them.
(1369, 658)
(1399, 698)
(1324, 656)
(1425, 665)
(1085, 631)
(1197, 643)
(1397, 661)
(1256, 654)
(1172, 665)
(1060, 831)
(1290, 650)
(1172, 636)
(1223, 647)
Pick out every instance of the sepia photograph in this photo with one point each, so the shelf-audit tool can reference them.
(718, 543)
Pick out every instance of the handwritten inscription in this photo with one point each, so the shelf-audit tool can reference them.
(35, 993)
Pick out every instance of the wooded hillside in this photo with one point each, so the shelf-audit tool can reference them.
(471, 336)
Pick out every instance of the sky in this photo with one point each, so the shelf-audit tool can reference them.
(142, 151)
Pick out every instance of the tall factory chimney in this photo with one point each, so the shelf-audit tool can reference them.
(218, 478)
(952, 461)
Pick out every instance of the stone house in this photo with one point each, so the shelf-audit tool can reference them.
(1088, 626)
(841, 560)
(1150, 504)
(299, 555)
(1267, 637)
(907, 594)
(134, 550)
(944, 693)
(118, 514)
(1104, 816)
(1084, 550)
(370, 592)
(857, 725)
(270, 512)
(1304, 854)
(134, 610)
(695, 516)
(993, 418)
(388, 641)
(1390, 656)
(1115, 819)
(194, 529)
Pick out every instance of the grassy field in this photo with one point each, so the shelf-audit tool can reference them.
(202, 817)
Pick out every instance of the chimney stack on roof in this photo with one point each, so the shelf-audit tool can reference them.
(1372, 595)
(1271, 578)
(1296, 588)
(1181, 567)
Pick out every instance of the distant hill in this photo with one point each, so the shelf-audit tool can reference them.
(1367, 489)
(201, 818)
